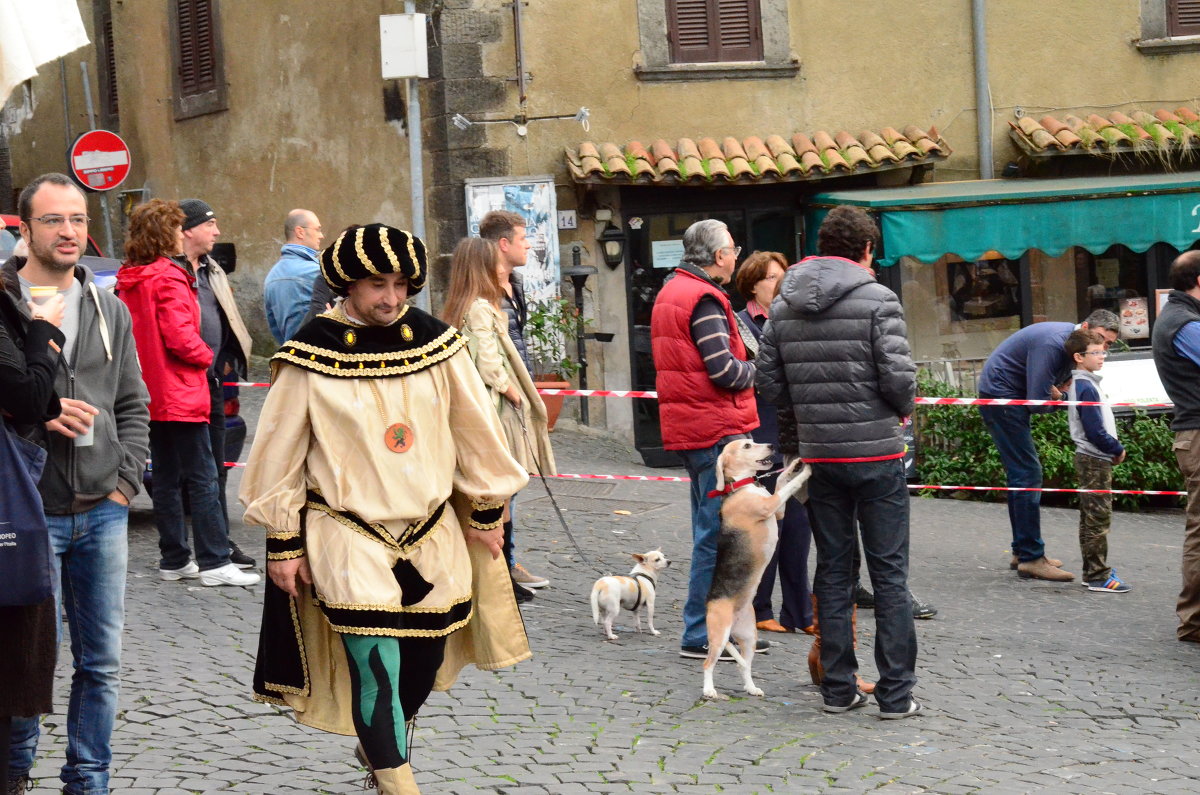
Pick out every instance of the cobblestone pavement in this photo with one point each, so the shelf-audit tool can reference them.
(1027, 686)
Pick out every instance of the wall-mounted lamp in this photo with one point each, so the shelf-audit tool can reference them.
(612, 245)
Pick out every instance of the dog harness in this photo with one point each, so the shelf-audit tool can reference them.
(636, 577)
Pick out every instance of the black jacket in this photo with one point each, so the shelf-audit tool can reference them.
(836, 350)
(104, 372)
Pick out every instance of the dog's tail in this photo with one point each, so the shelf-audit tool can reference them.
(596, 603)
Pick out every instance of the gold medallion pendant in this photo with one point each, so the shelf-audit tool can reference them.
(398, 437)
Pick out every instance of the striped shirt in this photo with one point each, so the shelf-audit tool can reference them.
(710, 333)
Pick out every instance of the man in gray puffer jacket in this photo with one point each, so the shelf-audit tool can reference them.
(836, 351)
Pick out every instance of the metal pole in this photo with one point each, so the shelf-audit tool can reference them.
(416, 171)
(91, 112)
(983, 94)
(62, 78)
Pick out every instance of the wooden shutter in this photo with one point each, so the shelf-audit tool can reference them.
(1183, 17)
(197, 50)
(199, 58)
(106, 57)
(709, 31)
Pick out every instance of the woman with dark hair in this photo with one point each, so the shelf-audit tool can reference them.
(30, 343)
(162, 295)
(758, 281)
(473, 305)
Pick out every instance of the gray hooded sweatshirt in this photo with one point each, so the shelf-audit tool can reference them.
(836, 351)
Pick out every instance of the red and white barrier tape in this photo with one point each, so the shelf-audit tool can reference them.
(920, 401)
(913, 487)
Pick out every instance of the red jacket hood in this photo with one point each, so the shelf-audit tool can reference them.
(130, 275)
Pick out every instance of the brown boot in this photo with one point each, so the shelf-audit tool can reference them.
(397, 781)
(1043, 569)
(1012, 564)
(815, 669)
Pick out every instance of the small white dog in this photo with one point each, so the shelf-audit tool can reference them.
(634, 592)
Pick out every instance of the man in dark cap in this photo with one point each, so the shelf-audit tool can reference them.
(222, 329)
(380, 473)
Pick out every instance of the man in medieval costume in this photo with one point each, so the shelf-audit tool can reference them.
(380, 472)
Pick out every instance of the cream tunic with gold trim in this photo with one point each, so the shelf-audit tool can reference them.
(321, 473)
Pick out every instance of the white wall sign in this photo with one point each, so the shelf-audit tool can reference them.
(666, 253)
(567, 219)
(533, 199)
(1132, 381)
(402, 49)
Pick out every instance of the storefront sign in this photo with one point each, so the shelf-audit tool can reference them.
(533, 199)
(666, 253)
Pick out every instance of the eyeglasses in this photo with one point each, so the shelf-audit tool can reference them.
(735, 249)
(56, 221)
(1101, 354)
(313, 228)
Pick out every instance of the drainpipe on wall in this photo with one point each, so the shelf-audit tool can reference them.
(983, 95)
(416, 164)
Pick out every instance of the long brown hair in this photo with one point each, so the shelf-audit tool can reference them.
(472, 275)
(152, 231)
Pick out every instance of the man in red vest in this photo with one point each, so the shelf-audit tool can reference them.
(705, 394)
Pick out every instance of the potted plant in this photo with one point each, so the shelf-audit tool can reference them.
(550, 323)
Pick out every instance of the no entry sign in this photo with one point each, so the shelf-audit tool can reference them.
(99, 160)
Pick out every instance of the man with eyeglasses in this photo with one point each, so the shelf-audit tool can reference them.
(1031, 365)
(288, 287)
(97, 451)
(705, 395)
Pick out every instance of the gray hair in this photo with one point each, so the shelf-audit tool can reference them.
(1103, 319)
(702, 241)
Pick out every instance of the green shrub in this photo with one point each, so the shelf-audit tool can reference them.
(954, 448)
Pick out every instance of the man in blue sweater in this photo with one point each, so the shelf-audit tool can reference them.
(288, 287)
(1030, 365)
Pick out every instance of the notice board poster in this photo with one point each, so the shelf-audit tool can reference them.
(533, 199)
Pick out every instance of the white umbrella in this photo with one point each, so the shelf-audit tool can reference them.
(33, 32)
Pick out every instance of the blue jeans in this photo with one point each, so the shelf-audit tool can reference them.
(91, 560)
(791, 562)
(1009, 427)
(701, 467)
(875, 491)
(182, 455)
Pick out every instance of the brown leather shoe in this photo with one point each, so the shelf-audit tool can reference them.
(1012, 564)
(771, 625)
(1043, 569)
(816, 671)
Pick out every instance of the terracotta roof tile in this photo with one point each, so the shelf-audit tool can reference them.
(755, 159)
(1140, 131)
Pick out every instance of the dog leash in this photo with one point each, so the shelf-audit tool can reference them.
(557, 510)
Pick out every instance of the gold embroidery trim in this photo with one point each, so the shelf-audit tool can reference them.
(362, 255)
(395, 608)
(337, 516)
(283, 535)
(303, 658)
(391, 255)
(298, 553)
(337, 265)
(442, 348)
(412, 252)
(404, 633)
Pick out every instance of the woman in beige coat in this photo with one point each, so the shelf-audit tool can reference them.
(473, 305)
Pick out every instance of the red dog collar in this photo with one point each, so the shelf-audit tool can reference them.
(732, 487)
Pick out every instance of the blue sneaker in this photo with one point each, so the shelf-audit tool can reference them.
(1113, 584)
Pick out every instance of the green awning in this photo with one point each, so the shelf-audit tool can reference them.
(1012, 216)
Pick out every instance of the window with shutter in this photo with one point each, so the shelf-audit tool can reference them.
(1183, 17)
(199, 58)
(714, 31)
(107, 60)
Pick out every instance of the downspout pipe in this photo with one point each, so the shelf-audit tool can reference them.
(983, 95)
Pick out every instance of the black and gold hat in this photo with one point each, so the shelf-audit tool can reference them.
(371, 250)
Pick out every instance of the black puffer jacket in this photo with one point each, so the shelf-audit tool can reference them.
(836, 350)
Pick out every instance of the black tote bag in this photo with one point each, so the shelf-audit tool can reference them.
(26, 574)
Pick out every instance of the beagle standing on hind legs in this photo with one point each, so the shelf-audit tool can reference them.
(747, 539)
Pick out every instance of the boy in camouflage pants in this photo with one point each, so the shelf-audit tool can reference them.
(1096, 450)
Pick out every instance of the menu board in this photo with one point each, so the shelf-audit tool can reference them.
(1135, 319)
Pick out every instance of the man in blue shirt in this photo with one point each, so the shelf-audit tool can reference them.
(1176, 343)
(288, 287)
(1031, 365)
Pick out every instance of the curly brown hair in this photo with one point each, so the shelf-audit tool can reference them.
(153, 231)
(845, 232)
(754, 270)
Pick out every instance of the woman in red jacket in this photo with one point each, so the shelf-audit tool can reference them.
(161, 292)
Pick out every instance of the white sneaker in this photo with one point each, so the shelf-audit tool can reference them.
(189, 572)
(229, 574)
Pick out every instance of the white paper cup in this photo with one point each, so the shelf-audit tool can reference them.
(89, 438)
(40, 295)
